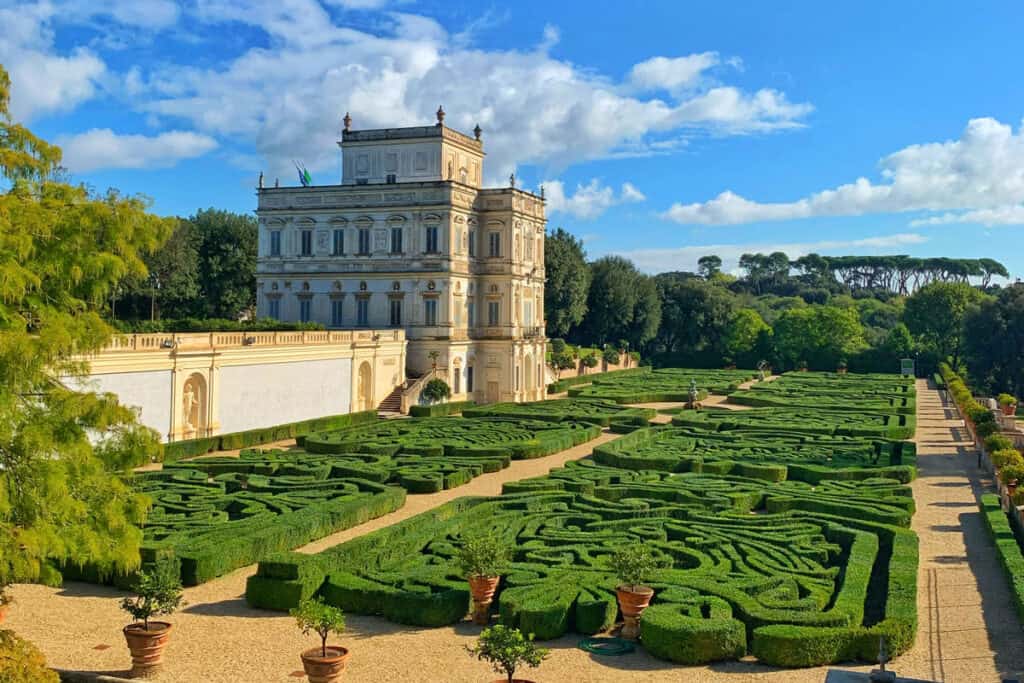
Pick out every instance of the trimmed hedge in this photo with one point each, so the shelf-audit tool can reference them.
(440, 409)
(599, 412)
(1007, 548)
(561, 385)
(178, 450)
(668, 384)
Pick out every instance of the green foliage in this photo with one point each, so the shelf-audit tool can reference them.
(622, 303)
(993, 346)
(227, 262)
(507, 649)
(633, 563)
(436, 390)
(818, 335)
(483, 555)
(556, 346)
(567, 280)
(157, 592)
(936, 313)
(20, 660)
(440, 409)
(681, 633)
(64, 250)
(610, 355)
(591, 361)
(1007, 548)
(668, 384)
(313, 616)
(746, 336)
(695, 314)
(596, 411)
(1006, 400)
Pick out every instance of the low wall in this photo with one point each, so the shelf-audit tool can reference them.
(197, 385)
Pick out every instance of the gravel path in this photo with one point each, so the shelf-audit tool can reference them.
(968, 631)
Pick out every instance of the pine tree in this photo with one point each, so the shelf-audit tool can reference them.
(63, 250)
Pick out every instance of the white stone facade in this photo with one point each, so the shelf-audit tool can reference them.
(409, 240)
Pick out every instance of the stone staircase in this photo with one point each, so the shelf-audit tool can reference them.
(391, 406)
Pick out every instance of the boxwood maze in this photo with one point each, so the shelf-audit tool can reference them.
(794, 573)
(597, 411)
(669, 384)
(773, 455)
(514, 438)
(826, 420)
(821, 390)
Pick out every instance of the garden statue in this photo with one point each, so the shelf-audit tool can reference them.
(694, 394)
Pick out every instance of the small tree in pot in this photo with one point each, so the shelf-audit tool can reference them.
(482, 558)
(589, 361)
(157, 592)
(1007, 403)
(322, 664)
(437, 390)
(841, 367)
(507, 649)
(632, 564)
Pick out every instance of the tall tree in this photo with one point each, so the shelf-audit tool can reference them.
(567, 280)
(821, 336)
(694, 313)
(172, 287)
(227, 262)
(709, 266)
(935, 315)
(746, 338)
(622, 304)
(994, 347)
(62, 251)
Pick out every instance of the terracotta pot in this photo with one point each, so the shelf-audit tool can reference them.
(482, 589)
(3, 613)
(147, 647)
(1009, 410)
(840, 371)
(633, 600)
(320, 669)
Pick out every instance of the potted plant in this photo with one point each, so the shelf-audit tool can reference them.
(841, 368)
(589, 361)
(802, 366)
(730, 364)
(322, 664)
(507, 649)
(157, 592)
(1007, 403)
(482, 558)
(632, 564)
(5, 601)
(433, 355)
(436, 390)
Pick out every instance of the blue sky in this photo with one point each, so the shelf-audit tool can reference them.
(661, 130)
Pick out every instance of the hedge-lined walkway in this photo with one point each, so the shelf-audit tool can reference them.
(968, 630)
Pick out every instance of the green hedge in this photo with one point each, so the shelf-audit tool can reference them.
(440, 409)
(191, 448)
(1007, 548)
(564, 384)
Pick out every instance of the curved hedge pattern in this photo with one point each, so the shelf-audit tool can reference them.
(669, 384)
(806, 563)
(830, 391)
(596, 411)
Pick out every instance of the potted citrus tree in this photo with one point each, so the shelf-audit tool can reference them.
(156, 592)
(841, 367)
(632, 564)
(589, 361)
(482, 558)
(1007, 403)
(322, 664)
(507, 649)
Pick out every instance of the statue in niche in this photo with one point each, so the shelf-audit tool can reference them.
(190, 406)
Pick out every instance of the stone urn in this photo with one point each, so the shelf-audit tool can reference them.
(321, 669)
(482, 589)
(633, 600)
(147, 646)
(1009, 410)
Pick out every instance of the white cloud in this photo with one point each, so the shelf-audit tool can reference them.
(588, 201)
(665, 73)
(981, 174)
(287, 98)
(685, 258)
(102, 148)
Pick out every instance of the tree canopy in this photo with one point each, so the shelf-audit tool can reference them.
(63, 250)
(567, 282)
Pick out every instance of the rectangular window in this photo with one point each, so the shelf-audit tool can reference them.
(493, 312)
(307, 242)
(275, 242)
(528, 313)
(430, 312)
(472, 243)
(336, 312)
(274, 308)
(338, 246)
(391, 178)
(396, 313)
(363, 312)
(494, 244)
(364, 241)
(431, 240)
(469, 379)
(471, 312)
(305, 308)
(396, 240)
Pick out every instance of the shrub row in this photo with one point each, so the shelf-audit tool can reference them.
(669, 384)
(1007, 547)
(599, 412)
(191, 448)
(441, 409)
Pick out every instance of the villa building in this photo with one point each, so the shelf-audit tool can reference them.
(411, 240)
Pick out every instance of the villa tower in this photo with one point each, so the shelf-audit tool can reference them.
(410, 239)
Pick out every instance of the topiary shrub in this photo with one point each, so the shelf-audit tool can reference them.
(507, 649)
(22, 662)
(436, 390)
(556, 346)
(611, 356)
(589, 361)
